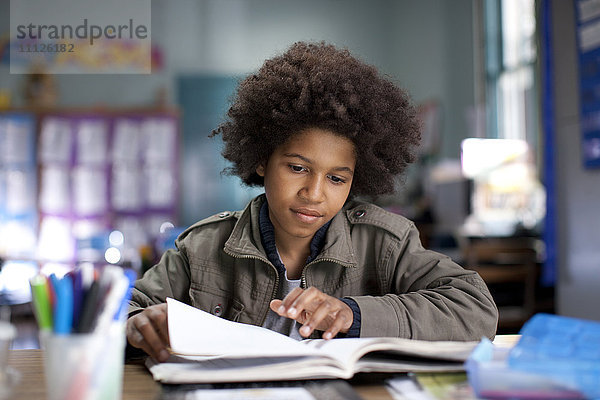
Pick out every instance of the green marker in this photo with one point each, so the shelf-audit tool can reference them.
(41, 302)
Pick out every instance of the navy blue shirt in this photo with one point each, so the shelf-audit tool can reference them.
(267, 236)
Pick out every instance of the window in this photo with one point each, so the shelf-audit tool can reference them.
(510, 57)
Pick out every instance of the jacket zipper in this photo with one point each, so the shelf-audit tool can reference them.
(303, 283)
(247, 256)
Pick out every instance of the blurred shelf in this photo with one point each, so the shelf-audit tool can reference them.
(510, 266)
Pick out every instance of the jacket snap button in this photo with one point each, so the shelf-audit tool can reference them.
(218, 310)
(224, 214)
(359, 213)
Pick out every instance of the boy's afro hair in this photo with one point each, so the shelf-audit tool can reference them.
(315, 85)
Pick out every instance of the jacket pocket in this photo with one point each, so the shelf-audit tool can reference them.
(217, 302)
(235, 311)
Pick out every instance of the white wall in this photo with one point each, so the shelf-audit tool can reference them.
(578, 189)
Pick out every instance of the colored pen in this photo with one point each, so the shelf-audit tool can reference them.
(51, 294)
(121, 312)
(41, 302)
(63, 310)
(77, 295)
(87, 276)
(89, 309)
(112, 302)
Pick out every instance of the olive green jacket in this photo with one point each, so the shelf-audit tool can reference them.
(370, 255)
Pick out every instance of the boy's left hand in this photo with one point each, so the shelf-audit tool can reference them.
(315, 310)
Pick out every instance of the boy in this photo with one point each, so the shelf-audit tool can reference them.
(316, 128)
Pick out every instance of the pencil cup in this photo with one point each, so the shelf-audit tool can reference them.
(84, 366)
(7, 334)
(7, 375)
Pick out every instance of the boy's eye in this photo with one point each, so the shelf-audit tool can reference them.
(297, 168)
(336, 179)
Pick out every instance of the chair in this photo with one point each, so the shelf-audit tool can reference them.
(509, 266)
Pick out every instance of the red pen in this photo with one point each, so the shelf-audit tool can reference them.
(51, 293)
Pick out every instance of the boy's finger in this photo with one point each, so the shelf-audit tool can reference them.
(316, 320)
(154, 347)
(309, 300)
(338, 323)
(159, 321)
(275, 304)
(135, 338)
(289, 301)
(152, 343)
(163, 332)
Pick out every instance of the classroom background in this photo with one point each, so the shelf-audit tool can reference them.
(108, 168)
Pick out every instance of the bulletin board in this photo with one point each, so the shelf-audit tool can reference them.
(70, 175)
(588, 52)
(105, 171)
(18, 182)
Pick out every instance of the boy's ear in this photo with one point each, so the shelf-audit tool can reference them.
(260, 170)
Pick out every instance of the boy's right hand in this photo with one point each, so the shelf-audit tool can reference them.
(148, 331)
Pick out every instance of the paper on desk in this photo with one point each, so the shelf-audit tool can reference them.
(295, 393)
(405, 388)
(192, 333)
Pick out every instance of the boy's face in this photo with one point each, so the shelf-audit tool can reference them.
(307, 181)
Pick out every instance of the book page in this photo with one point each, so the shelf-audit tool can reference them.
(207, 348)
(225, 369)
(349, 351)
(196, 332)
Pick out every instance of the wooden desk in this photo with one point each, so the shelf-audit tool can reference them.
(137, 381)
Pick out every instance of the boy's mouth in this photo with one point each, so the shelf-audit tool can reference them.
(307, 214)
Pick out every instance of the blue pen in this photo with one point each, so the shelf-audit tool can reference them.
(77, 296)
(131, 276)
(63, 310)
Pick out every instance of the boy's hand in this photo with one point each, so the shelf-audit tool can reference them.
(148, 331)
(315, 310)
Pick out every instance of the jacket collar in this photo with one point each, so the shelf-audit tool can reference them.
(245, 238)
(267, 235)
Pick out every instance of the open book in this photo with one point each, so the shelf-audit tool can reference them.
(209, 349)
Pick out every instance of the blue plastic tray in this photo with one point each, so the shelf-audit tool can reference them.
(492, 378)
(562, 348)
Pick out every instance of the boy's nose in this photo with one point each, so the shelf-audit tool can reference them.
(313, 191)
